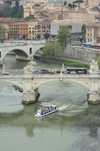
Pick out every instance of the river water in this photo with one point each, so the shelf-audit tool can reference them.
(76, 127)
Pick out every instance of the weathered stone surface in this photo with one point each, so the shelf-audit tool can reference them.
(81, 53)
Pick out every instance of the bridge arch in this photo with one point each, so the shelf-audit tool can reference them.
(67, 80)
(13, 83)
(17, 52)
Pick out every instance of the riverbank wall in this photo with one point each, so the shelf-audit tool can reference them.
(78, 54)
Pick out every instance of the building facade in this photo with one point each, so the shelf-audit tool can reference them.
(75, 27)
(80, 16)
(17, 30)
(93, 33)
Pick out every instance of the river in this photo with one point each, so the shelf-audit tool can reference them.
(76, 127)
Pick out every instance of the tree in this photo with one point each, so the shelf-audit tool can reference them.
(2, 33)
(38, 36)
(78, 2)
(46, 35)
(65, 2)
(58, 50)
(14, 11)
(1, 13)
(84, 29)
(24, 36)
(6, 10)
(17, 3)
(21, 10)
(53, 50)
(64, 35)
(48, 51)
(9, 2)
(70, 5)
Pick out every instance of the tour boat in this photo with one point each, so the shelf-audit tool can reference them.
(46, 111)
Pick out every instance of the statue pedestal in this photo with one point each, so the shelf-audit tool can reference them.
(30, 97)
(93, 97)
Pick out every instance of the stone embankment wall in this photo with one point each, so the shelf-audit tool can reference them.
(81, 54)
(78, 54)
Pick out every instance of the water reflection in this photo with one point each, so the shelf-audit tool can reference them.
(76, 127)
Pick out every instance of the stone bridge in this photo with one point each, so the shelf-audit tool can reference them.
(29, 83)
(24, 50)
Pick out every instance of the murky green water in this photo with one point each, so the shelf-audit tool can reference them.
(76, 127)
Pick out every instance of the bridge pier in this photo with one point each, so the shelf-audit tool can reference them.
(24, 58)
(1, 64)
(30, 97)
(93, 97)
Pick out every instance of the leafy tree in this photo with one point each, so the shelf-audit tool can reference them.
(24, 36)
(21, 10)
(65, 2)
(37, 5)
(14, 11)
(2, 33)
(84, 29)
(46, 35)
(6, 9)
(58, 50)
(70, 5)
(78, 2)
(64, 35)
(38, 36)
(9, 2)
(74, 5)
(17, 3)
(28, 18)
(1, 13)
(48, 51)
(53, 50)
(96, 8)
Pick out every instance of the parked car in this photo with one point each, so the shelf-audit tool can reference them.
(5, 73)
(47, 71)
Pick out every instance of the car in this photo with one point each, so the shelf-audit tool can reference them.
(5, 73)
(47, 71)
(73, 72)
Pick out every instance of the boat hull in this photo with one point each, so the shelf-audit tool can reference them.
(47, 113)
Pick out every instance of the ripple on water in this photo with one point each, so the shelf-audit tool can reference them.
(69, 97)
(10, 99)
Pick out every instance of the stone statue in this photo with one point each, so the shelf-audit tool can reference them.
(94, 67)
(29, 68)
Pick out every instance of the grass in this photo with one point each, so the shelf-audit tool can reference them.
(67, 63)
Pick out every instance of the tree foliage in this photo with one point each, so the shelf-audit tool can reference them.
(70, 5)
(78, 2)
(65, 3)
(2, 33)
(64, 35)
(84, 29)
(46, 35)
(7, 11)
(52, 50)
(28, 18)
(24, 36)
(38, 36)
(48, 51)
